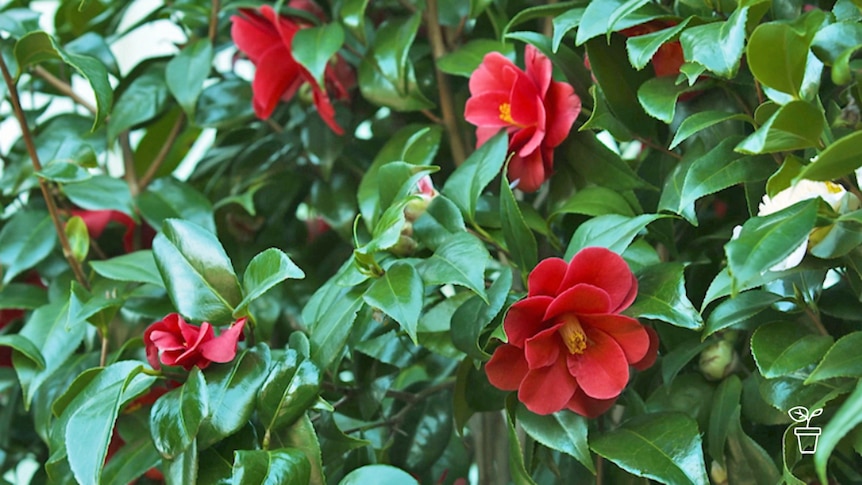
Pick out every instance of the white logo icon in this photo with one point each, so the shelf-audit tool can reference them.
(800, 414)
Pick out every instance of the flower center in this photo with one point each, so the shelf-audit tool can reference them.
(830, 186)
(506, 113)
(573, 336)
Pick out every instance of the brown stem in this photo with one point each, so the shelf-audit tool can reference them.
(163, 152)
(213, 21)
(103, 357)
(402, 413)
(814, 317)
(128, 163)
(431, 116)
(447, 103)
(63, 87)
(654, 146)
(43, 185)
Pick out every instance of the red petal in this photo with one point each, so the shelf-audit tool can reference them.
(525, 319)
(539, 68)
(548, 389)
(563, 107)
(527, 109)
(629, 334)
(605, 269)
(587, 406)
(544, 348)
(324, 106)
(223, 347)
(253, 34)
(495, 73)
(526, 141)
(484, 109)
(546, 277)
(651, 353)
(602, 371)
(484, 133)
(277, 73)
(529, 172)
(580, 299)
(506, 368)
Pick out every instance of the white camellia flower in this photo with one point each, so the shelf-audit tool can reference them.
(834, 195)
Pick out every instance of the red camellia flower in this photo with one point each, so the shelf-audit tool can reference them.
(97, 220)
(189, 345)
(265, 37)
(669, 57)
(537, 112)
(569, 348)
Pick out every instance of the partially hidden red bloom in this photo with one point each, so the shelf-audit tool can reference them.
(569, 347)
(535, 110)
(97, 220)
(266, 38)
(175, 342)
(669, 57)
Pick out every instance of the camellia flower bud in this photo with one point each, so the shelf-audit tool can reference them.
(419, 203)
(718, 473)
(718, 360)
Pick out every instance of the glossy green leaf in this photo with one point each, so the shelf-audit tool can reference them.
(141, 101)
(518, 235)
(167, 198)
(781, 348)
(78, 237)
(845, 419)
(386, 75)
(22, 296)
(269, 268)
(36, 47)
(737, 310)
(302, 435)
(378, 474)
(709, 173)
(425, 432)
(460, 260)
(702, 120)
(662, 296)
(776, 55)
(64, 172)
(100, 192)
(290, 388)
(597, 16)
(284, 466)
(440, 220)
(767, 240)
(725, 407)
(184, 468)
(837, 160)
(25, 240)
(197, 272)
(225, 103)
(747, 461)
(665, 447)
(562, 431)
(465, 59)
(537, 12)
(835, 45)
(842, 360)
(352, 15)
(717, 46)
(331, 324)
(139, 267)
(176, 417)
(471, 318)
(563, 23)
(185, 74)
(642, 48)
(607, 168)
(398, 293)
(796, 125)
(595, 201)
(658, 96)
(25, 347)
(314, 47)
(232, 389)
(466, 184)
(18, 22)
(520, 475)
(131, 461)
(610, 231)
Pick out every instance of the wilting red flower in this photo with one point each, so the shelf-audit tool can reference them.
(537, 112)
(97, 220)
(265, 37)
(569, 348)
(189, 345)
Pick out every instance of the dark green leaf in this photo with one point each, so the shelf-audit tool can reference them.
(794, 126)
(269, 268)
(607, 168)
(776, 54)
(839, 159)
(290, 388)
(22, 296)
(314, 47)
(658, 96)
(197, 272)
(610, 231)
(782, 348)
(440, 220)
(100, 192)
(565, 22)
(379, 475)
(425, 432)
(738, 309)
(24, 241)
(139, 267)
(845, 419)
(662, 296)
(302, 435)
(466, 184)
(536, 12)
(595, 201)
(842, 360)
(285, 467)
(64, 172)
(184, 468)
(520, 475)
(176, 416)
(471, 318)
(562, 431)
(225, 103)
(331, 324)
(748, 462)
(725, 407)
(167, 198)
(460, 260)
(25, 347)
(185, 74)
(596, 18)
(717, 46)
(665, 447)
(702, 120)
(352, 15)
(464, 60)
(642, 48)
(767, 240)
(141, 101)
(519, 238)
(398, 293)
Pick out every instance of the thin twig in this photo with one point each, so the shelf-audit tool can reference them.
(214, 21)
(402, 413)
(103, 356)
(654, 146)
(163, 152)
(64, 88)
(128, 163)
(431, 116)
(43, 184)
(447, 103)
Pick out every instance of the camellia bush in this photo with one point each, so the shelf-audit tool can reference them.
(431, 241)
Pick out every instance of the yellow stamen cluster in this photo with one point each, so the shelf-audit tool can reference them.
(506, 113)
(573, 336)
